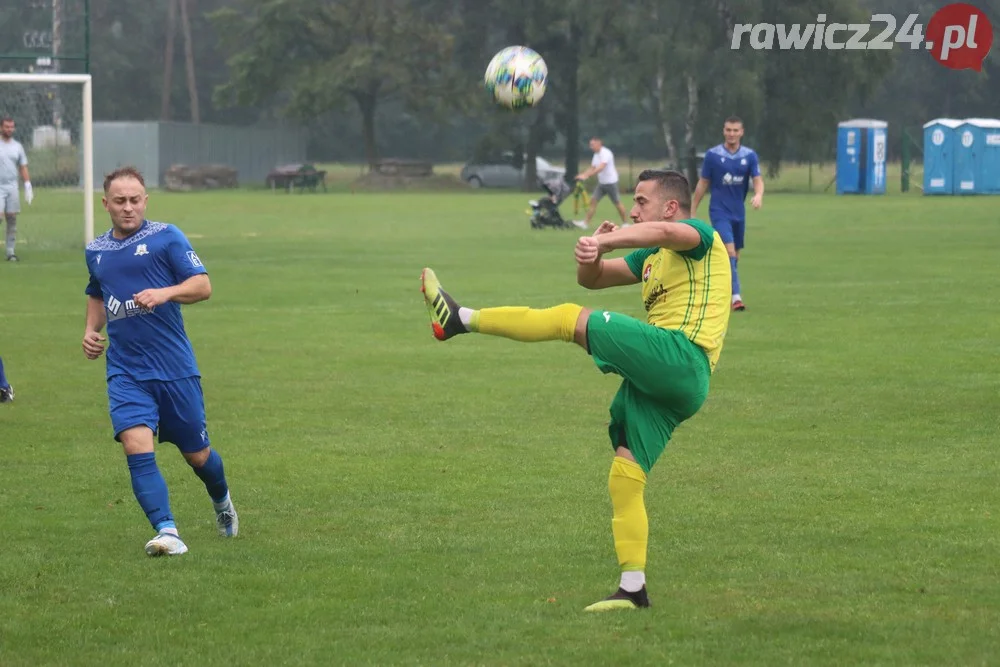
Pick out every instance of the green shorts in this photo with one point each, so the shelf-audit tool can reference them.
(665, 380)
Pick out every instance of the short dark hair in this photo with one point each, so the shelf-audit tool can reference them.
(734, 119)
(123, 172)
(6, 119)
(674, 185)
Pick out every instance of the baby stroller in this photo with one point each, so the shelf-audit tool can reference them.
(545, 211)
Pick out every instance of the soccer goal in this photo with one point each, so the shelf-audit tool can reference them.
(53, 116)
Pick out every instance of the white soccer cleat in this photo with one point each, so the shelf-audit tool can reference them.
(166, 544)
(227, 521)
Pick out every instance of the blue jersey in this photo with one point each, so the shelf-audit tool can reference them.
(729, 175)
(144, 344)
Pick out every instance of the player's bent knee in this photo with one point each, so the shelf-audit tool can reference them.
(137, 440)
(197, 459)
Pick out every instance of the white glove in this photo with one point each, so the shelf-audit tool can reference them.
(28, 193)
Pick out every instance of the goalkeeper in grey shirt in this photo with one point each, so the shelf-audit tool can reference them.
(12, 161)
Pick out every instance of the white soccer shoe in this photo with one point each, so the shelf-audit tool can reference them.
(227, 521)
(166, 544)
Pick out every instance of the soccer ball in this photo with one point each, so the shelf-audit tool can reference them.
(516, 77)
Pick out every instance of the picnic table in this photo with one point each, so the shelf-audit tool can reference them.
(301, 176)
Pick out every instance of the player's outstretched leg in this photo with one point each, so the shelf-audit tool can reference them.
(630, 526)
(528, 325)
(446, 320)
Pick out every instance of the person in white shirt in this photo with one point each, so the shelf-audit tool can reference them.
(603, 164)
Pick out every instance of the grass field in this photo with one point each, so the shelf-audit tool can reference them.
(405, 501)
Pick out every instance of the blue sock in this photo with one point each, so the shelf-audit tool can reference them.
(214, 477)
(736, 277)
(3, 378)
(150, 490)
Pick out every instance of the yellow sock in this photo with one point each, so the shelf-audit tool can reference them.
(629, 525)
(528, 325)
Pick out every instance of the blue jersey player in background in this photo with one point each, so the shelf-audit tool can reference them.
(6, 391)
(140, 274)
(726, 173)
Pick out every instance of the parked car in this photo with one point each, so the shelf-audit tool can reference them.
(504, 172)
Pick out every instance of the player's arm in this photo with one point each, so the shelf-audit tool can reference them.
(96, 317)
(704, 183)
(189, 273)
(605, 273)
(595, 272)
(29, 194)
(196, 288)
(590, 171)
(93, 344)
(699, 193)
(758, 181)
(678, 236)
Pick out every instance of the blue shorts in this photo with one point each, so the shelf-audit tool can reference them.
(174, 410)
(730, 230)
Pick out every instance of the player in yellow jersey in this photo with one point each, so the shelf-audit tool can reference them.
(665, 362)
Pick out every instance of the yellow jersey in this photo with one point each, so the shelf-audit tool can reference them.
(690, 290)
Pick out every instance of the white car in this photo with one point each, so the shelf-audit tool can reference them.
(503, 173)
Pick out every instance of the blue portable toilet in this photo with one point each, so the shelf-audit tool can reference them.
(977, 156)
(861, 144)
(939, 156)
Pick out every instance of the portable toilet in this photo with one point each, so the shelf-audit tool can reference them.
(861, 144)
(939, 156)
(977, 156)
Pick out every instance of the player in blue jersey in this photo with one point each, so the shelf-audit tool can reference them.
(6, 391)
(140, 274)
(726, 173)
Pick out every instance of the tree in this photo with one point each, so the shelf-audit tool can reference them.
(680, 62)
(806, 92)
(192, 81)
(168, 60)
(315, 55)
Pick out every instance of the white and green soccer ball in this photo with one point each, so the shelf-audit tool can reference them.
(516, 77)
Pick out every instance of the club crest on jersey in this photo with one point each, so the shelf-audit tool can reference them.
(141, 250)
(645, 274)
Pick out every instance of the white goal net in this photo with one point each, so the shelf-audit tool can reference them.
(53, 121)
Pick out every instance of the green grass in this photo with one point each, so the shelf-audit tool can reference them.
(409, 502)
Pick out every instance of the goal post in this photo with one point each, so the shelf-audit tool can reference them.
(57, 131)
